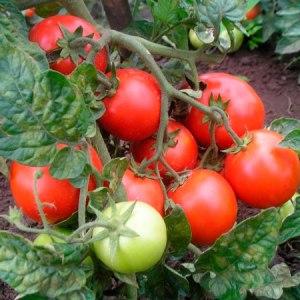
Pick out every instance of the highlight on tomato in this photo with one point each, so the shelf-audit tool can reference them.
(59, 197)
(133, 112)
(243, 106)
(181, 150)
(209, 204)
(264, 174)
(132, 254)
(49, 31)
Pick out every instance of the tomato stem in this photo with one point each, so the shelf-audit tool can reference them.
(194, 249)
(39, 204)
(170, 169)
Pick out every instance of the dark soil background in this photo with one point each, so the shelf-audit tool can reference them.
(277, 87)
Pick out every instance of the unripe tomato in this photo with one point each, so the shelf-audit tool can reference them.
(264, 174)
(238, 38)
(144, 189)
(209, 204)
(245, 109)
(253, 12)
(134, 254)
(183, 156)
(133, 112)
(195, 41)
(47, 32)
(60, 197)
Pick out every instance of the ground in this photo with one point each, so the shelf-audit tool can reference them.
(278, 89)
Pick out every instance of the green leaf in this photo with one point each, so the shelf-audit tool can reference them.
(68, 163)
(291, 225)
(82, 294)
(178, 230)
(36, 109)
(33, 297)
(239, 260)
(251, 3)
(285, 125)
(48, 9)
(39, 270)
(114, 170)
(81, 180)
(288, 45)
(99, 198)
(282, 279)
(292, 140)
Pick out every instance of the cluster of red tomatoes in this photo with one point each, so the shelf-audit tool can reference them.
(262, 174)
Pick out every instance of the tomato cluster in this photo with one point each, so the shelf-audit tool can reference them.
(261, 172)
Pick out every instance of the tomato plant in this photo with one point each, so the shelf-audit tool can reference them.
(264, 174)
(137, 253)
(144, 189)
(253, 12)
(128, 116)
(49, 31)
(209, 204)
(242, 104)
(59, 197)
(181, 151)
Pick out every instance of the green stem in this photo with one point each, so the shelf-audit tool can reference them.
(79, 9)
(82, 203)
(213, 145)
(170, 169)
(194, 249)
(159, 145)
(132, 293)
(37, 200)
(161, 182)
(237, 140)
(100, 146)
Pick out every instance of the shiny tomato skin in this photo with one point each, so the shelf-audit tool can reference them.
(183, 156)
(264, 174)
(253, 12)
(133, 112)
(144, 189)
(209, 204)
(47, 32)
(245, 110)
(61, 194)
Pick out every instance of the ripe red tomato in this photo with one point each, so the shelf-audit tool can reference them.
(133, 112)
(253, 12)
(144, 189)
(264, 174)
(182, 157)
(47, 32)
(245, 110)
(209, 204)
(61, 195)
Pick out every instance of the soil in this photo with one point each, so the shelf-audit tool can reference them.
(277, 87)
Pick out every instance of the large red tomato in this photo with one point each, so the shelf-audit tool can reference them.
(60, 197)
(264, 174)
(209, 204)
(144, 189)
(47, 32)
(245, 109)
(132, 113)
(182, 157)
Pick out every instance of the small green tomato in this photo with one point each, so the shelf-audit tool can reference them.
(133, 254)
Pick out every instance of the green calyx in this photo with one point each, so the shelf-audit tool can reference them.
(237, 148)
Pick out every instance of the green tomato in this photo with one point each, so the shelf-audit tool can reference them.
(195, 41)
(134, 254)
(238, 38)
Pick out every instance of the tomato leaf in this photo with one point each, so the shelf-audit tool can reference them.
(68, 163)
(3, 167)
(282, 279)
(30, 269)
(251, 3)
(99, 198)
(285, 125)
(291, 225)
(292, 140)
(239, 260)
(36, 109)
(178, 230)
(48, 9)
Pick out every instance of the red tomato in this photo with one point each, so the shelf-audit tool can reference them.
(133, 112)
(61, 195)
(144, 189)
(245, 110)
(209, 204)
(47, 32)
(253, 12)
(30, 12)
(182, 157)
(264, 174)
